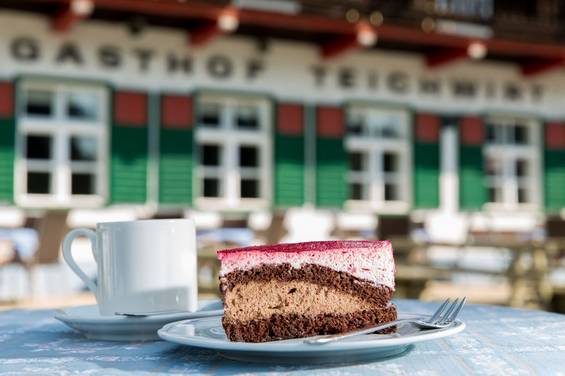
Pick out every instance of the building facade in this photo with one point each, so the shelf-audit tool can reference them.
(99, 118)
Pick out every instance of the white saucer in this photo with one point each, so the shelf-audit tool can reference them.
(208, 333)
(88, 321)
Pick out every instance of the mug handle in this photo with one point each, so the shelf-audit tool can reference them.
(68, 256)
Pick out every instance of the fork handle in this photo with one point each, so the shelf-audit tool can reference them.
(337, 337)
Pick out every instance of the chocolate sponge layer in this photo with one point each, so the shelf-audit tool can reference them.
(279, 327)
(377, 295)
(275, 302)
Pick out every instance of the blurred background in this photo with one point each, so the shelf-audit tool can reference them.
(437, 124)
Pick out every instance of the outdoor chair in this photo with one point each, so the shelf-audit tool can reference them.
(51, 227)
(7, 252)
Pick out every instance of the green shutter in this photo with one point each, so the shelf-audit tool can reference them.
(7, 142)
(426, 160)
(426, 175)
(554, 180)
(289, 170)
(289, 155)
(128, 182)
(175, 166)
(472, 189)
(554, 166)
(331, 170)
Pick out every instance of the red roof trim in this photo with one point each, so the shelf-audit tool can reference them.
(313, 23)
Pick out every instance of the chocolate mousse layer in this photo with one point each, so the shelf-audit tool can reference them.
(376, 295)
(279, 327)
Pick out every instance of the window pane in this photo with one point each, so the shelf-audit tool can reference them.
(496, 133)
(248, 156)
(355, 124)
(247, 117)
(391, 192)
(82, 106)
(356, 161)
(491, 133)
(521, 168)
(83, 148)
(520, 134)
(390, 162)
(356, 191)
(211, 187)
(38, 147)
(494, 194)
(390, 131)
(523, 196)
(249, 188)
(210, 155)
(493, 166)
(209, 114)
(82, 184)
(38, 182)
(39, 103)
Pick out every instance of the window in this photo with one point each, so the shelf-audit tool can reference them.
(61, 144)
(234, 158)
(511, 161)
(378, 147)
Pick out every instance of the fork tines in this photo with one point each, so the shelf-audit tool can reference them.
(448, 311)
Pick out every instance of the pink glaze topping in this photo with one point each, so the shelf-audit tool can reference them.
(369, 260)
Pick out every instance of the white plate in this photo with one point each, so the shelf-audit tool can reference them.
(208, 333)
(88, 321)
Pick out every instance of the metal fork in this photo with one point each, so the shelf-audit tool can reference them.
(444, 316)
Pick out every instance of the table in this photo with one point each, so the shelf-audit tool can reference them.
(497, 341)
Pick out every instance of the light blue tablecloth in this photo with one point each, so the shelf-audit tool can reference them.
(497, 341)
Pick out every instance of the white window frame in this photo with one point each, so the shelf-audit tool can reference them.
(509, 153)
(375, 147)
(230, 138)
(60, 128)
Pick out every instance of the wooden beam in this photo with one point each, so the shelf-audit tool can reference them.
(64, 20)
(445, 56)
(339, 46)
(204, 34)
(72, 13)
(541, 66)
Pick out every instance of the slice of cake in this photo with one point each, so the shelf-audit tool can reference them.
(298, 290)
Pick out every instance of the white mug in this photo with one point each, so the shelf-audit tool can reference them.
(143, 266)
